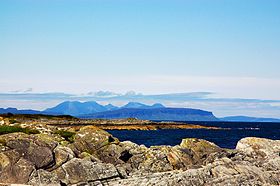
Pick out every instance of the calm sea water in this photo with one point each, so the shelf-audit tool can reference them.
(223, 138)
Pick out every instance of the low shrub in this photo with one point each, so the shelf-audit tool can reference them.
(5, 129)
(69, 136)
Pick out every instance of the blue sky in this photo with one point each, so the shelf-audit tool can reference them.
(230, 48)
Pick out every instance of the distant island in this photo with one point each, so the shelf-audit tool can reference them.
(93, 110)
(157, 111)
(248, 119)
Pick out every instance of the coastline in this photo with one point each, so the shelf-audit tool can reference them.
(105, 124)
(35, 153)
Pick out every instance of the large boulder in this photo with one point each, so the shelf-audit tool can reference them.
(14, 168)
(37, 149)
(259, 147)
(82, 171)
(200, 148)
(191, 153)
(262, 152)
(61, 156)
(90, 139)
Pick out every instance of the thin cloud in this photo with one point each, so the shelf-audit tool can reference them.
(201, 100)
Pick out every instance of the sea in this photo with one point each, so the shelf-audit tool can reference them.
(227, 137)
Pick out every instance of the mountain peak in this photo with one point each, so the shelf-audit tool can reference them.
(76, 108)
(142, 106)
(158, 105)
(111, 107)
(134, 105)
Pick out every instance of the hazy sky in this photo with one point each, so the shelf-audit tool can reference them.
(230, 47)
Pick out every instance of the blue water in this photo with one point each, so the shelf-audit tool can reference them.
(226, 138)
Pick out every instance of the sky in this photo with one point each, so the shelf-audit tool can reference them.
(229, 48)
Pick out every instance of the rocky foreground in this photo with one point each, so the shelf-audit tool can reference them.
(49, 155)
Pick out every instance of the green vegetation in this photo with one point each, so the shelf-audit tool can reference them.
(5, 129)
(36, 116)
(69, 136)
(12, 121)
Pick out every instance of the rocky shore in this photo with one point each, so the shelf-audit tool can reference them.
(42, 154)
(106, 124)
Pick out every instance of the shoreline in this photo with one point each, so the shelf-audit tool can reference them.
(34, 153)
(105, 124)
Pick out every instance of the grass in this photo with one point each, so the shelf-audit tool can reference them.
(69, 136)
(5, 129)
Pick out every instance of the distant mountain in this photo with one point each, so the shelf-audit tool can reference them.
(142, 106)
(111, 107)
(76, 108)
(174, 114)
(248, 119)
(92, 109)
(16, 111)
(157, 105)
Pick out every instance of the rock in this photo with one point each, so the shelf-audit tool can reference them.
(43, 177)
(89, 157)
(62, 155)
(221, 172)
(79, 171)
(33, 148)
(261, 152)
(201, 148)
(259, 147)
(2, 122)
(89, 139)
(155, 160)
(191, 153)
(182, 158)
(13, 168)
(110, 153)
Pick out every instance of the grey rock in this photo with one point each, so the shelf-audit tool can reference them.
(14, 169)
(259, 147)
(89, 139)
(33, 148)
(61, 156)
(78, 171)
(220, 172)
(43, 177)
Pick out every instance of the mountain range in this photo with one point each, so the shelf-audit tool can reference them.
(76, 108)
(161, 113)
(16, 111)
(157, 111)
